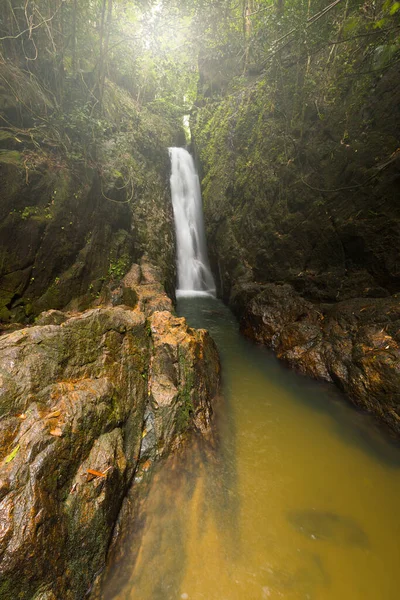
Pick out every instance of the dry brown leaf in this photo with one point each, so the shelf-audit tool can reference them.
(56, 432)
(96, 473)
(146, 466)
(22, 416)
(54, 414)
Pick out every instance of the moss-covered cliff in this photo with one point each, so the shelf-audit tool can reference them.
(301, 180)
(316, 208)
(82, 196)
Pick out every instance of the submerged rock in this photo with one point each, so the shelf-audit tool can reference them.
(77, 400)
(325, 525)
(305, 580)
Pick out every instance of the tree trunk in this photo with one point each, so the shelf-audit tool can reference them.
(280, 7)
(248, 9)
(105, 38)
(74, 16)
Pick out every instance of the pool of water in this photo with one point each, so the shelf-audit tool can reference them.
(297, 498)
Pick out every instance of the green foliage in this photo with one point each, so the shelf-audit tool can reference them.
(29, 211)
(84, 129)
(118, 268)
(394, 8)
(12, 455)
(91, 75)
(38, 213)
(11, 157)
(73, 47)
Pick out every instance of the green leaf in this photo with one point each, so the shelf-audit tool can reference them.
(379, 24)
(395, 7)
(12, 455)
(351, 24)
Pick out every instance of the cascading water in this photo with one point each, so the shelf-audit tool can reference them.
(194, 274)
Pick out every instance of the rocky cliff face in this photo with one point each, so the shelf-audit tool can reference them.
(303, 225)
(82, 197)
(87, 401)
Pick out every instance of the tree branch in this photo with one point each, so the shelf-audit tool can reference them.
(30, 29)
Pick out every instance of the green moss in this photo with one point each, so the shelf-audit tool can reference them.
(186, 407)
(5, 314)
(185, 413)
(11, 157)
(50, 299)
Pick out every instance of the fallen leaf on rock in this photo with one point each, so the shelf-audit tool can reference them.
(12, 455)
(54, 414)
(56, 432)
(146, 466)
(96, 473)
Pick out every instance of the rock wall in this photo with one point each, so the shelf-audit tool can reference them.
(82, 197)
(87, 400)
(303, 224)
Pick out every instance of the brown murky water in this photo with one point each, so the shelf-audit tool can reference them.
(299, 499)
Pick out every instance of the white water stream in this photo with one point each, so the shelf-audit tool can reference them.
(194, 274)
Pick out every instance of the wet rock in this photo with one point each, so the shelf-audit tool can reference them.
(151, 293)
(354, 343)
(82, 404)
(68, 393)
(183, 376)
(125, 296)
(51, 317)
(321, 525)
(304, 581)
(133, 277)
(45, 596)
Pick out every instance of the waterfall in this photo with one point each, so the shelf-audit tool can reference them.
(194, 274)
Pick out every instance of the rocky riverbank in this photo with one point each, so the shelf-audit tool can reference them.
(354, 344)
(87, 400)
